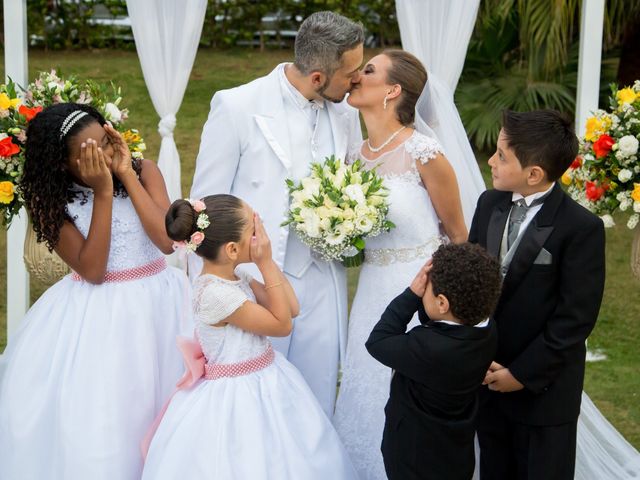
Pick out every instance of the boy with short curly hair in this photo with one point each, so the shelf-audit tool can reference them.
(438, 365)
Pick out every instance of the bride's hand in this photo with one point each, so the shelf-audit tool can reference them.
(419, 283)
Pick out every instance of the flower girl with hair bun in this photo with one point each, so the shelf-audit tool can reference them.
(242, 411)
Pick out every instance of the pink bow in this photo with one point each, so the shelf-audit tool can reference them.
(194, 362)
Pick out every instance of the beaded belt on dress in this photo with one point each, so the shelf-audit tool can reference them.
(136, 273)
(213, 371)
(386, 256)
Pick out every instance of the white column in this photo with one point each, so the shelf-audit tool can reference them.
(591, 25)
(15, 64)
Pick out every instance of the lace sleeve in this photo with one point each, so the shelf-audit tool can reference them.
(423, 148)
(217, 301)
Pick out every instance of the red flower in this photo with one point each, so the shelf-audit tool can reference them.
(603, 146)
(29, 112)
(577, 163)
(8, 148)
(594, 191)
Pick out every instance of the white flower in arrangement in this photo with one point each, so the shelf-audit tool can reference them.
(55, 87)
(311, 187)
(112, 112)
(625, 175)
(355, 193)
(608, 221)
(636, 207)
(364, 224)
(633, 221)
(625, 203)
(628, 145)
(311, 222)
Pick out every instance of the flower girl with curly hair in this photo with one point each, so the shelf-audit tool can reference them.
(95, 356)
(242, 411)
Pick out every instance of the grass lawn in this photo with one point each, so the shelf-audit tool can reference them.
(613, 384)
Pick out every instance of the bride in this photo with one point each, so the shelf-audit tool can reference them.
(427, 210)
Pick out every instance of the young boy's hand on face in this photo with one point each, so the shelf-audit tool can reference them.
(419, 283)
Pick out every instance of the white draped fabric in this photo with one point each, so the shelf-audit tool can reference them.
(167, 34)
(438, 33)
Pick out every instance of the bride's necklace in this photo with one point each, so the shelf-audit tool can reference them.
(387, 141)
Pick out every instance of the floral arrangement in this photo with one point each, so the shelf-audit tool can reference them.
(17, 109)
(336, 207)
(605, 176)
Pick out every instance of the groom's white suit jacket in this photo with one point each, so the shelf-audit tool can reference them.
(245, 150)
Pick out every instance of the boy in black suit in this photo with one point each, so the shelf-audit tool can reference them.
(552, 255)
(439, 365)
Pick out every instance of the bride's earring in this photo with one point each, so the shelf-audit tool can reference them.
(384, 104)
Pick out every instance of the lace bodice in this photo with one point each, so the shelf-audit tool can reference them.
(410, 208)
(214, 300)
(130, 246)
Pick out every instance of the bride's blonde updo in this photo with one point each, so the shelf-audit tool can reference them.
(408, 72)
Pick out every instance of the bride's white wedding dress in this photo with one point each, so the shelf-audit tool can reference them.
(391, 261)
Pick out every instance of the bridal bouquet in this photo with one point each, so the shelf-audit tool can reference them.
(336, 207)
(18, 106)
(605, 176)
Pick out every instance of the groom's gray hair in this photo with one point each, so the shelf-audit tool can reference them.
(322, 40)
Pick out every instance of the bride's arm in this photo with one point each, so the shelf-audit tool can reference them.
(440, 181)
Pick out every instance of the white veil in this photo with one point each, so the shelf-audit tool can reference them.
(438, 33)
(437, 116)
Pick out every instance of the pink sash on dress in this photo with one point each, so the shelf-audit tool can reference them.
(196, 368)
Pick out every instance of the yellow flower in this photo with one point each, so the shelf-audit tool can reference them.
(635, 195)
(596, 127)
(131, 137)
(626, 95)
(6, 192)
(566, 178)
(6, 102)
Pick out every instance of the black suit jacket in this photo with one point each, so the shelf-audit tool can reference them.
(547, 309)
(431, 410)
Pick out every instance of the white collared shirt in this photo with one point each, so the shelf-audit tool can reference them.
(482, 324)
(311, 108)
(533, 210)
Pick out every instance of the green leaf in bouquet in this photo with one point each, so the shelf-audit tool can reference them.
(358, 243)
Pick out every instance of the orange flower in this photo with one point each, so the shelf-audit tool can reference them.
(29, 112)
(603, 146)
(8, 148)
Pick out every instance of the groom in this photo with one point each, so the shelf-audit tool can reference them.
(258, 135)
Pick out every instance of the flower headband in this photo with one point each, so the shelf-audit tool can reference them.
(202, 223)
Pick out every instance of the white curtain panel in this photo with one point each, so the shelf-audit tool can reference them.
(167, 34)
(438, 33)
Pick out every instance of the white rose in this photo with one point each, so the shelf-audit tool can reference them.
(335, 238)
(311, 186)
(355, 193)
(346, 228)
(55, 87)
(628, 145)
(633, 221)
(362, 210)
(625, 175)
(112, 113)
(608, 221)
(348, 213)
(364, 224)
(311, 223)
(323, 212)
(636, 207)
